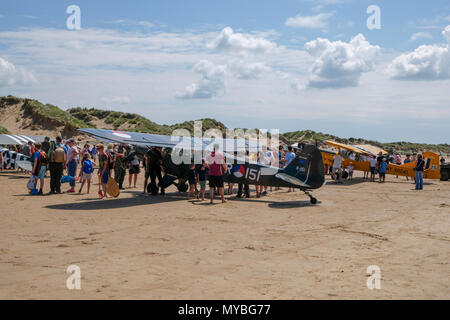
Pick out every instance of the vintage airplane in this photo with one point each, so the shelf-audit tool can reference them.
(359, 156)
(305, 172)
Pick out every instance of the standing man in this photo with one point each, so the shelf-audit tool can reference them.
(72, 163)
(46, 145)
(58, 159)
(155, 170)
(337, 167)
(244, 186)
(120, 167)
(216, 163)
(420, 164)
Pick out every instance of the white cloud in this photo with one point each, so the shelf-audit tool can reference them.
(11, 75)
(421, 35)
(115, 100)
(230, 41)
(340, 64)
(243, 70)
(211, 84)
(427, 62)
(318, 21)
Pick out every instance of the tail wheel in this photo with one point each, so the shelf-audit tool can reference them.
(313, 200)
(182, 187)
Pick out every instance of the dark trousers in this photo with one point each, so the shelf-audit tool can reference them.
(119, 175)
(56, 172)
(246, 190)
(156, 172)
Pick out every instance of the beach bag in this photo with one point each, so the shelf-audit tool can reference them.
(112, 188)
(66, 179)
(88, 167)
(31, 184)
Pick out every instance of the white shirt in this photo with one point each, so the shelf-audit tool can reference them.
(337, 161)
(373, 162)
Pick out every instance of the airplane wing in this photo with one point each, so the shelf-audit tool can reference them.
(158, 140)
(372, 149)
(17, 139)
(347, 147)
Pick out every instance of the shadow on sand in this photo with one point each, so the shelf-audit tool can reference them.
(138, 199)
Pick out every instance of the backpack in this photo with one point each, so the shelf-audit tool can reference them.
(31, 184)
(88, 167)
(43, 160)
(58, 155)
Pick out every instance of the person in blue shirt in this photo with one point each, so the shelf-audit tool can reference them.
(382, 170)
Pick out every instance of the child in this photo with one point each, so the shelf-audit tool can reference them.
(202, 175)
(192, 181)
(350, 168)
(86, 172)
(382, 170)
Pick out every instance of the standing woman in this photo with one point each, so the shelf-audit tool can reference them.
(134, 171)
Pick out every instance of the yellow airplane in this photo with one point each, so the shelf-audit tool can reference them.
(359, 157)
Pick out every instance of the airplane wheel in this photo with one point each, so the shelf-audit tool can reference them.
(313, 200)
(183, 188)
(444, 175)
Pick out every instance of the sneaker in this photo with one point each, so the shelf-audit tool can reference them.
(70, 191)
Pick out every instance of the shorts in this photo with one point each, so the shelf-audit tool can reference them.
(42, 171)
(105, 177)
(215, 181)
(134, 169)
(86, 176)
(202, 184)
(338, 170)
(372, 170)
(191, 180)
(382, 174)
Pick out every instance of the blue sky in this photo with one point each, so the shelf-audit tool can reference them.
(290, 65)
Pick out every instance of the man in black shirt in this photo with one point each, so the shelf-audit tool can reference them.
(420, 164)
(46, 145)
(155, 170)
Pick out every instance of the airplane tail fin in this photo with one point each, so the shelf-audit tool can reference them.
(432, 165)
(306, 170)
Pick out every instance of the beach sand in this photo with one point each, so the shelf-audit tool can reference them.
(276, 247)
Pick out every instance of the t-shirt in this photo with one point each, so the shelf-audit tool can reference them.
(155, 158)
(191, 174)
(45, 146)
(26, 150)
(420, 164)
(337, 161)
(135, 161)
(215, 161)
(289, 157)
(383, 166)
(202, 173)
(71, 154)
(373, 162)
(350, 168)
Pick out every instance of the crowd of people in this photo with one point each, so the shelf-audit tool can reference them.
(73, 163)
(378, 165)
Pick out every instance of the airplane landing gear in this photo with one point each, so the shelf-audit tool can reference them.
(311, 198)
(182, 187)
